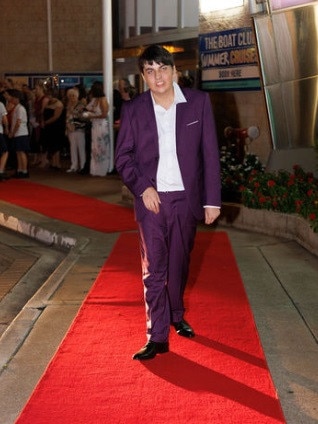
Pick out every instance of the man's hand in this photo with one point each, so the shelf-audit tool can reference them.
(151, 199)
(211, 214)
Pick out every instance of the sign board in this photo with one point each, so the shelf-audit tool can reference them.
(229, 60)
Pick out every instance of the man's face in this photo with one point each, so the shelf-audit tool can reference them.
(159, 77)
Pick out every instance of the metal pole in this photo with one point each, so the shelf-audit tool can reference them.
(108, 70)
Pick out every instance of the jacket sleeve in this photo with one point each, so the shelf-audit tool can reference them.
(211, 157)
(126, 154)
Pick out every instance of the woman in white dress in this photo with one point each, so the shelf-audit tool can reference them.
(97, 112)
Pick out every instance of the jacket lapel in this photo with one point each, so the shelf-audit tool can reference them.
(181, 122)
(149, 118)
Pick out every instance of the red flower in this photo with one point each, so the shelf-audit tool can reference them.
(291, 180)
(262, 199)
(310, 192)
(312, 216)
(271, 183)
(298, 204)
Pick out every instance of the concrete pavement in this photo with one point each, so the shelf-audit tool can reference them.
(280, 277)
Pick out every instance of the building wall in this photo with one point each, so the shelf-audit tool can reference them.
(76, 36)
(288, 41)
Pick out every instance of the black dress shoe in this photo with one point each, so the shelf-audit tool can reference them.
(21, 175)
(183, 329)
(150, 350)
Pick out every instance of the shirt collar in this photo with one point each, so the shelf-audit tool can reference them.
(178, 95)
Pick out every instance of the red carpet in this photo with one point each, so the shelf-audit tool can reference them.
(67, 206)
(220, 376)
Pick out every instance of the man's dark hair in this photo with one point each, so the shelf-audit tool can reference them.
(157, 54)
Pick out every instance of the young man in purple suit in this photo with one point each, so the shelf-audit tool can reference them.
(167, 155)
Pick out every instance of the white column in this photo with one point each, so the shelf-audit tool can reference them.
(108, 69)
(49, 35)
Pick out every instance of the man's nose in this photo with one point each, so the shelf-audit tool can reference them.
(158, 73)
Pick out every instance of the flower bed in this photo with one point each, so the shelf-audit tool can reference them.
(282, 191)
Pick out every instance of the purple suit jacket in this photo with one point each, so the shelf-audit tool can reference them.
(137, 150)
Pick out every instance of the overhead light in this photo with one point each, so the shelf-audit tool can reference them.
(214, 5)
(173, 49)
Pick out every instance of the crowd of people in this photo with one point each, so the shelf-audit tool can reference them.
(40, 126)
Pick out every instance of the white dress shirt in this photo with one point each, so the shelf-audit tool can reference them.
(168, 174)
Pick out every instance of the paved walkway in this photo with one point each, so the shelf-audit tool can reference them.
(280, 277)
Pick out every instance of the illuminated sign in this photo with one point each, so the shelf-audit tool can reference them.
(67, 81)
(282, 4)
(229, 60)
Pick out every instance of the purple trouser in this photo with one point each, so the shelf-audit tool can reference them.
(166, 241)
